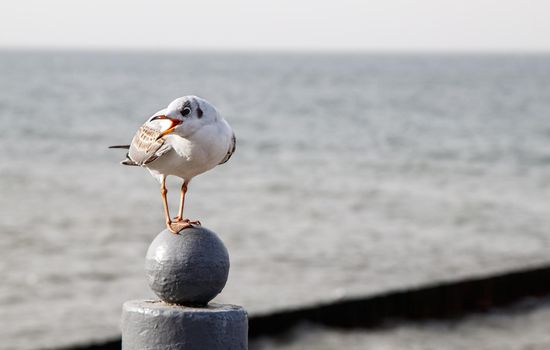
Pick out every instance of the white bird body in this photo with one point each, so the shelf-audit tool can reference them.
(185, 139)
(195, 154)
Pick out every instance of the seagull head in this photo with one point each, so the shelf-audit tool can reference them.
(185, 115)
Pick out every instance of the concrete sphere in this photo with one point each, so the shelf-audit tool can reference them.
(188, 268)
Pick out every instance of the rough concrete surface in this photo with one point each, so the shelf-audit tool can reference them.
(187, 268)
(155, 325)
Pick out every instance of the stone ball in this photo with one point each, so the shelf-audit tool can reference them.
(188, 268)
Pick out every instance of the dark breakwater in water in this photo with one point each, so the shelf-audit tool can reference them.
(444, 301)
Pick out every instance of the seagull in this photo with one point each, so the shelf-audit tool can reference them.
(185, 139)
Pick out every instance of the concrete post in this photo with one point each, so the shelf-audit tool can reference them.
(185, 271)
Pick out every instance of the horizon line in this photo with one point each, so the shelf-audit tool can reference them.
(275, 50)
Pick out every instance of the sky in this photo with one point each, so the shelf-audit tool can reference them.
(347, 25)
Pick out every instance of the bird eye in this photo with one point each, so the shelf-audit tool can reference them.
(184, 112)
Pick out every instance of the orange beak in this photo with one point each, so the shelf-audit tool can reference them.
(175, 122)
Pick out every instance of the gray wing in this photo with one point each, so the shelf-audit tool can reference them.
(146, 146)
(231, 149)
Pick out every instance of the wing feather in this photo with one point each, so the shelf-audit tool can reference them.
(231, 149)
(146, 145)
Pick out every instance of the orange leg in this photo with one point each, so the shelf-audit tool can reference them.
(163, 192)
(185, 222)
(182, 200)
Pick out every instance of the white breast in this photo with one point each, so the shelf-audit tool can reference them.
(192, 156)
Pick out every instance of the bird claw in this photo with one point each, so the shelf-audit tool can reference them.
(179, 219)
(177, 226)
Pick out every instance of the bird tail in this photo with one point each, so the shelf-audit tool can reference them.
(129, 161)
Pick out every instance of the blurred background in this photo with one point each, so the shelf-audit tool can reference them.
(382, 147)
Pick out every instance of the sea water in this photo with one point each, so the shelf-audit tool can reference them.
(354, 174)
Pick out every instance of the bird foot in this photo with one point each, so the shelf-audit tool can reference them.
(181, 224)
(179, 219)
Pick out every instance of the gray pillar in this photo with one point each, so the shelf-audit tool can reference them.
(148, 325)
(186, 271)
